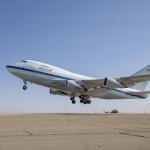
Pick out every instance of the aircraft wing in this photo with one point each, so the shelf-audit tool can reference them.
(100, 83)
(129, 81)
(123, 82)
(91, 83)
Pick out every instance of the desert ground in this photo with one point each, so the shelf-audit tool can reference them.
(75, 132)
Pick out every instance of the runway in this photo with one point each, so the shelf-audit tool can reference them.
(75, 132)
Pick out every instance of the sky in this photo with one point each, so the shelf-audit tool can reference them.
(98, 38)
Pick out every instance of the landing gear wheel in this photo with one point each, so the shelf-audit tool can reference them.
(85, 99)
(85, 102)
(89, 102)
(81, 101)
(73, 100)
(24, 87)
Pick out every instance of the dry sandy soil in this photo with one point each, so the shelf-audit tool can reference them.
(75, 132)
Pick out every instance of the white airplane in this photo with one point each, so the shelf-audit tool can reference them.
(63, 82)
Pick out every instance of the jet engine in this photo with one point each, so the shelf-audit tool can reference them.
(73, 85)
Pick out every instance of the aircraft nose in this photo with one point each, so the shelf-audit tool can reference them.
(11, 68)
(8, 67)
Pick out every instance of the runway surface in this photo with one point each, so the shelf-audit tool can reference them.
(75, 132)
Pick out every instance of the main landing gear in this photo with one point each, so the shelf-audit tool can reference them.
(73, 100)
(25, 85)
(84, 99)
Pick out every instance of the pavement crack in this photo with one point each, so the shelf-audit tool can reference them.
(28, 132)
(132, 134)
(49, 134)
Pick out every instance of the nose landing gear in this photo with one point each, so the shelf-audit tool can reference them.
(25, 85)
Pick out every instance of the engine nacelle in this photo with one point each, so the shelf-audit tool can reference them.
(110, 82)
(73, 85)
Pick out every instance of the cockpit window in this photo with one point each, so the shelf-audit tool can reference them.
(24, 61)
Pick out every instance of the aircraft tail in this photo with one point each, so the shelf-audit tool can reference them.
(141, 86)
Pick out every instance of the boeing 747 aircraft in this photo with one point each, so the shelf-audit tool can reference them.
(63, 82)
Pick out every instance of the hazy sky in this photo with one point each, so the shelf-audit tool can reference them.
(98, 38)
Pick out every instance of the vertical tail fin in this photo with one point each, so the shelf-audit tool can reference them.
(141, 86)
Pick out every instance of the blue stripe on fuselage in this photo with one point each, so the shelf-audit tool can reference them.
(138, 96)
(40, 72)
